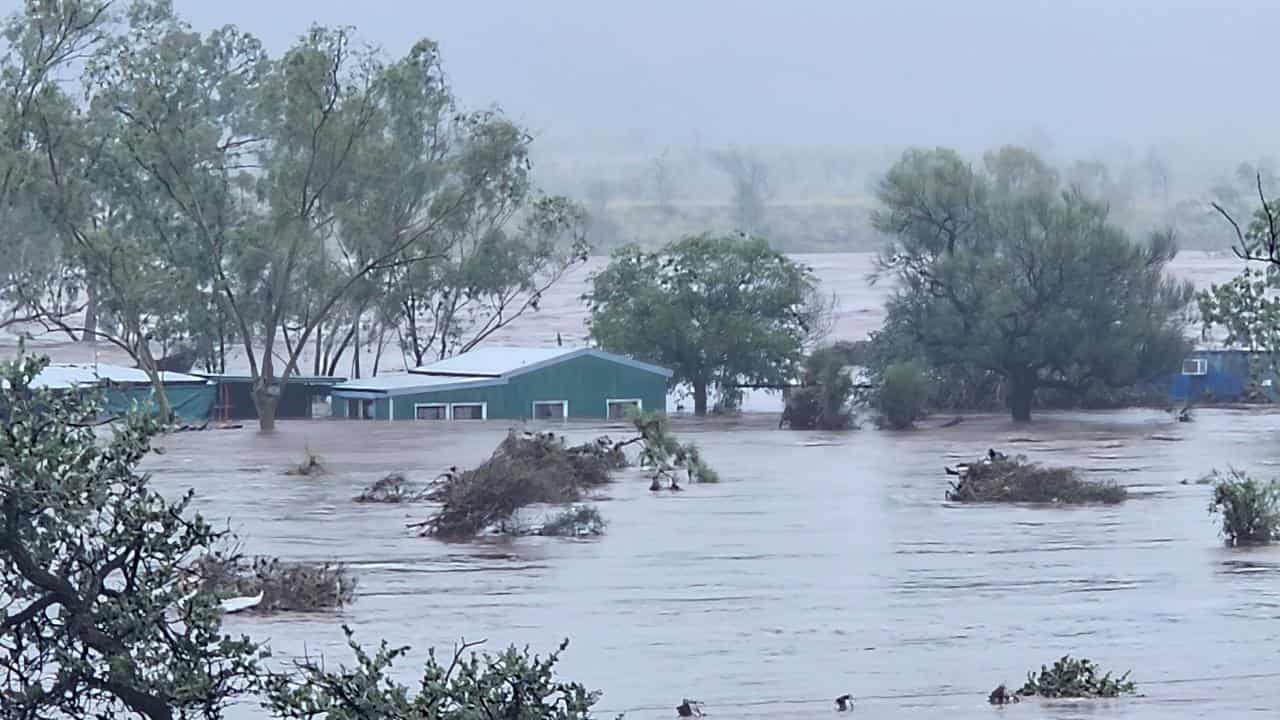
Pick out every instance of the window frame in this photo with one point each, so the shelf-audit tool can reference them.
(443, 406)
(484, 410)
(564, 409)
(1201, 367)
(609, 402)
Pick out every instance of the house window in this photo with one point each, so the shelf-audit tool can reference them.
(467, 411)
(431, 412)
(619, 409)
(1195, 366)
(551, 410)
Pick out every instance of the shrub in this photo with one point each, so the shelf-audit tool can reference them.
(1250, 508)
(1076, 678)
(576, 521)
(525, 469)
(285, 586)
(822, 403)
(903, 393)
(1016, 480)
(394, 488)
(512, 684)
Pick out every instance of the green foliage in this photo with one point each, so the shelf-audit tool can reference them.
(576, 521)
(718, 311)
(1250, 508)
(96, 621)
(512, 684)
(823, 401)
(902, 396)
(525, 469)
(1016, 480)
(1076, 678)
(1001, 273)
(665, 455)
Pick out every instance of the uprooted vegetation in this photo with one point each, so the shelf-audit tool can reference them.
(577, 521)
(1076, 678)
(310, 466)
(284, 586)
(1002, 479)
(393, 488)
(1250, 508)
(540, 468)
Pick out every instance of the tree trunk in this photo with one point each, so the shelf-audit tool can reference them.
(148, 364)
(700, 398)
(266, 395)
(90, 333)
(1022, 391)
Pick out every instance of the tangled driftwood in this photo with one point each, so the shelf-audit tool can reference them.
(997, 478)
(284, 586)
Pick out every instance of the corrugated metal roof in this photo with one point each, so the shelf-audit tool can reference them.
(493, 361)
(405, 383)
(498, 361)
(67, 376)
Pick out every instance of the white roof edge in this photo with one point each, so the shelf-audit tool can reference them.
(593, 352)
(461, 384)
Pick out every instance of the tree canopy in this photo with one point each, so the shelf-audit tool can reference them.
(720, 312)
(206, 194)
(1002, 270)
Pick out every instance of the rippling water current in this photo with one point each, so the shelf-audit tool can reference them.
(822, 564)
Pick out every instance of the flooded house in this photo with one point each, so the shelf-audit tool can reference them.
(190, 397)
(1224, 375)
(514, 383)
(304, 397)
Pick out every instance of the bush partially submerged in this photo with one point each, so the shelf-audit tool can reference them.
(577, 521)
(512, 684)
(665, 456)
(903, 394)
(311, 465)
(525, 469)
(822, 403)
(1017, 480)
(394, 488)
(285, 586)
(1250, 508)
(1076, 678)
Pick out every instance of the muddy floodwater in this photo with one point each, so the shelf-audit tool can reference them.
(822, 564)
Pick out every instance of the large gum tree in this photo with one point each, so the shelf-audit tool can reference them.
(1004, 270)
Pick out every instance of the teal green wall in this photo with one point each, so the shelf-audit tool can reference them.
(338, 407)
(190, 403)
(586, 382)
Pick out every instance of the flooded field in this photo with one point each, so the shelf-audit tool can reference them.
(822, 564)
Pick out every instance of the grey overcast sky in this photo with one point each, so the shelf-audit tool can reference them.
(969, 73)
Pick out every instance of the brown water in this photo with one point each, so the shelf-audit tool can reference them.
(822, 564)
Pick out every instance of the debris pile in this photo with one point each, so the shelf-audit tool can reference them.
(525, 469)
(283, 586)
(577, 521)
(999, 478)
(394, 488)
(1076, 678)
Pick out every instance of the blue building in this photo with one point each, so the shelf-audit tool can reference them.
(1224, 376)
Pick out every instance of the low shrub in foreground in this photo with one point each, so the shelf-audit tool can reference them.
(1076, 678)
(471, 686)
(1250, 508)
(1017, 480)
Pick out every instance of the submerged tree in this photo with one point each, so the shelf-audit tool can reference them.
(1002, 272)
(719, 311)
(96, 622)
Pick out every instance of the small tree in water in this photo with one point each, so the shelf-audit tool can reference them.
(1250, 508)
(903, 393)
(96, 623)
(822, 402)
